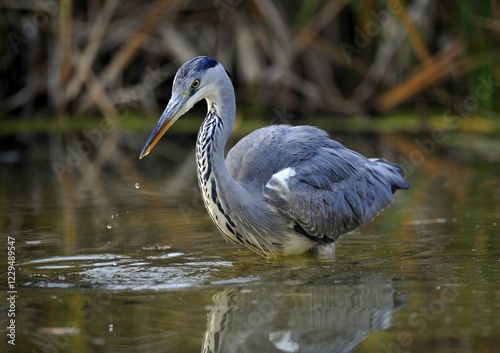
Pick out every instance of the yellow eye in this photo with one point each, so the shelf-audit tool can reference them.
(195, 84)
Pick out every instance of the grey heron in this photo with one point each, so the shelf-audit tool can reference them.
(282, 190)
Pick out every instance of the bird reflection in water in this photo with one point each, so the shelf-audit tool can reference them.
(307, 318)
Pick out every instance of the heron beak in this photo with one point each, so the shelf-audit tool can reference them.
(172, 112)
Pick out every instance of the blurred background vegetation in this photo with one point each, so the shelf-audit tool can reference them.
(84, 82)
(62, 60)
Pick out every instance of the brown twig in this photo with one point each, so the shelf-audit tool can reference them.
(128, 50)
(311, 30)
(433, 70)
(413, 33)
(64, 55)
(86, 58)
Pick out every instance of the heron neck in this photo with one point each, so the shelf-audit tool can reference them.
(220, 117)
(212, 138)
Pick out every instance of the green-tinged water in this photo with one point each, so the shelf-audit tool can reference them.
(113, 254)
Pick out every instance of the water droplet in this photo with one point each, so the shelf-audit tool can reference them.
(108, 226)
(137, 185)
(112, 216)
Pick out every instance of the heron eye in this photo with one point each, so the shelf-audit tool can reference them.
(195, 84)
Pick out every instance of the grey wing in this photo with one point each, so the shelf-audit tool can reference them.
(313, 181)
(334, 191)
(266, 151)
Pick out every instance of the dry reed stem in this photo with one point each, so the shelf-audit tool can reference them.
(324, 16)
(413, 33)
(129, 49)
(86, 58)
(432, 71)
(64, 54)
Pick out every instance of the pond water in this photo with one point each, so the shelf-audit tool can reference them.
(113, 254)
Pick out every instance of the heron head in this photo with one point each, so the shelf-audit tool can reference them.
(195, 80)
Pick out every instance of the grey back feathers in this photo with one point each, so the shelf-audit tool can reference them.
(333, 190)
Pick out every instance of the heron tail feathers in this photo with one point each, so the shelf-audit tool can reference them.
(395, 172)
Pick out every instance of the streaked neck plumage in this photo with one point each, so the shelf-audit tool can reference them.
(216, 184)
(227, 201)
(214, 133)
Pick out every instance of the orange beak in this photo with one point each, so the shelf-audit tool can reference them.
(170, 115)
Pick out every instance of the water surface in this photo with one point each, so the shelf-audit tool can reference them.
(114, 254)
